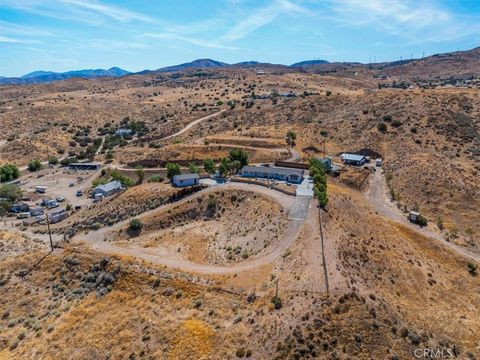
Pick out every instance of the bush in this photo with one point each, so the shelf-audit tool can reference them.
(422, 221)
(135, 225)
(238, 155)
(9, 172)
(387, 118)
(193, 168)
(172, 170)
(52, 160)
(277, 302)
(34, 165)
(209, 166)
(396, 123)
(413, 130)
(155, 178)
(382, 127)
(329, 93)
(472, 269)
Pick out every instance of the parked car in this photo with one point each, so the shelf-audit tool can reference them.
(78, 207)
(52, 204)
(23, 215)
(60, 198)
(79, 193)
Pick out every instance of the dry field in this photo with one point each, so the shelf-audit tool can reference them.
(207, 229)
(392, 290)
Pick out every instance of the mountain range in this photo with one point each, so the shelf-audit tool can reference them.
(468, 61)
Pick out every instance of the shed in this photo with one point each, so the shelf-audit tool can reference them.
(185, 180)
(353, 159)
(85, 166)
(108, 189)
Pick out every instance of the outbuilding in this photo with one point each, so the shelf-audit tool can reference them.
(107, 189)
(272, 172)
(85, 166)
(353, 159)
(185, 180)
(57, 216)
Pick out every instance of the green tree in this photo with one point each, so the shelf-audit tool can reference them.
(319, 177)
(235, 166)
(209, 166)
(52, 160)
(291, 137)
(193, 168)
(224, 167)
(34, 165)
(9, 172)
(140, 175)
(240, 155)
(172, 170)
(135, 225)
(10, 192)
(90, 152)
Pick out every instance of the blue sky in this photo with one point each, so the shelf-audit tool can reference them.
(60, 35)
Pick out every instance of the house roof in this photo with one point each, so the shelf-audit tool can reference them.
(273, 170)
(186, 177)
(85, 164)
(112, 185)
(353, 157)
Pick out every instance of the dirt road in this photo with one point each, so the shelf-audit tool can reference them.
(378, 198)
(174, 260)
(192, 124)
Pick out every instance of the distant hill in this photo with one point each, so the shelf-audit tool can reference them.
(195, 64)
(38, 77)
(309, 62)
(35, 74)
(458, 63)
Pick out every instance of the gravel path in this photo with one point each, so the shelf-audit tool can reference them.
(377, 196)
(161, 257)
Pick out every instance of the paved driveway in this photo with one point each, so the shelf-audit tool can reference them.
(305, 188)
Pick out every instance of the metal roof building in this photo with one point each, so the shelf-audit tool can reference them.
(185, 180)
(273, 172)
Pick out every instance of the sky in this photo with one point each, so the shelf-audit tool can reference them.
(62, 35)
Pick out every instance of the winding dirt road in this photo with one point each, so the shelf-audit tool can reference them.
(377, 196)
(162, 257)
(192, 124)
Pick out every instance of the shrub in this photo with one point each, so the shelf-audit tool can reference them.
(387, 118)
(172, 170)
(277, 302)
(52, 160)
(155, 178)
(238, 155)
(135, 225)
(329, 93)
(382, 127)
(422, 221)
(209, 166)
(472, 269)
(396, 123)
(34, 165)
(9, 172)
(193, 168)
(413, 130)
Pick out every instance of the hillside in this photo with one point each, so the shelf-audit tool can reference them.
(248, 269)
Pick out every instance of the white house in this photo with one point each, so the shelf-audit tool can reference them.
(185, 180)
(273, 172)
(108, 189)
